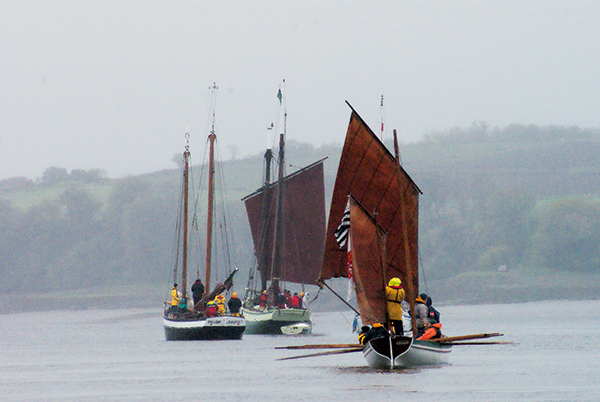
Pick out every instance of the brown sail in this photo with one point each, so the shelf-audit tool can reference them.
(368, 264)
(371, 174)
(303, 222)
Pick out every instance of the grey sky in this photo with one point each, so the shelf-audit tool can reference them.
(115, 84)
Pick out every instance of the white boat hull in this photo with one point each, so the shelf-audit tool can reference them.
(297, 329)
(213, 328)
(287, 321)
(403, 352)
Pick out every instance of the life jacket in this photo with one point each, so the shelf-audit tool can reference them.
(433, 332)
(433, 313)
(438, 330)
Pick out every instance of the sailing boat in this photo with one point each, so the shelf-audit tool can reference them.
(196, 323)
(382, 201)
(287, 221)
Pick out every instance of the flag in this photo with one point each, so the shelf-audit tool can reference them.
(279, 95)
(341, 233)
(342, 236)
(350, 270)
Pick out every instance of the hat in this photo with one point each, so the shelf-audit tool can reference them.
(234, 294)
(377, 325)
(395, 282)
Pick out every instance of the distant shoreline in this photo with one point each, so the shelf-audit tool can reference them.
(461, 290)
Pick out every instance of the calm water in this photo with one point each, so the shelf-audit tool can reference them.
(121, 355)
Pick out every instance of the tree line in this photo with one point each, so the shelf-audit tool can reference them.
(522, 196)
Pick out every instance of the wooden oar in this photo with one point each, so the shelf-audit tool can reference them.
(465, 337)
(479, 343)
(331, 352)
(323, 346)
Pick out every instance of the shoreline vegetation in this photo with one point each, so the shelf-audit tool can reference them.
(524, 198)
(474, 289)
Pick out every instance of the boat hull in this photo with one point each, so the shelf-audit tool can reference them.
(278, 321)
(403, 352)
(213, 328)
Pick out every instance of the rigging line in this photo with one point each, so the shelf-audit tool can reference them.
(194, 228)
(345, 318)
(198, 200)
(423, 271)
(211, 106)
(224, 210)
(175, 252)
(251, 284)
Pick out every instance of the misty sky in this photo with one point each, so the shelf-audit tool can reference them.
(115, 85)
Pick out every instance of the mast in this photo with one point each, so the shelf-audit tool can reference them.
(409, 273)
(266, 204)
(279, 229)
(211, 192)
(209, 220)
(382, 119)
(278, 239)
(186, 176)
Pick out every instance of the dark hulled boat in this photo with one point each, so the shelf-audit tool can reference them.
(383, 204)
(194, 322)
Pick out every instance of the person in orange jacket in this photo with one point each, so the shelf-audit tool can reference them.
(432, 331)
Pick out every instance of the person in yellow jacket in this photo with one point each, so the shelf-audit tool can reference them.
(220, 300)
(395, 295)
(174, 296)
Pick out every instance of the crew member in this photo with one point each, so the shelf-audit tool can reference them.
(220, 300)
(182, 305)
(174, 296)
(264, 298)
(395, 296)
(432, 330)
(421, 313)
(234, 305)
(197, 291)
(211, 309)
(367, 333)
(295, 301)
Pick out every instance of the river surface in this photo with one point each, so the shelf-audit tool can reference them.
(121, 355)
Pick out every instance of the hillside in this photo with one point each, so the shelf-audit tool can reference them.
(522, 197)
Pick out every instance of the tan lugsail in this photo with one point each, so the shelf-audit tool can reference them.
(371, 174)
(368, 264)
(303, 222)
